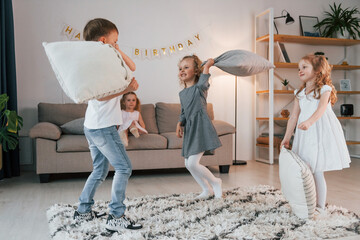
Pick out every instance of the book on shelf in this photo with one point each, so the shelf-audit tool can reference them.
(284, 52)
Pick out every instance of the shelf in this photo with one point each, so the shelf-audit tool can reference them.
(347, 143)
(335, 67)
(310, 40)
(285, 119)
(292, 92)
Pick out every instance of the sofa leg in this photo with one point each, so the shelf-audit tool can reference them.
(224, 168)
(44, 178)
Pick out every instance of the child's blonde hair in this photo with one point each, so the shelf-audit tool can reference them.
(322, 71)
(197, 66)
(97, 28)
(122, 101)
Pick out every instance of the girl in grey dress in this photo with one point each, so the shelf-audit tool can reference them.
(195, 125)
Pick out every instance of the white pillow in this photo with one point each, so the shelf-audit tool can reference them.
(88, 70)
(242, 63)
(297, 184)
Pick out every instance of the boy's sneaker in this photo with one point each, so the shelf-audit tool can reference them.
(87, 216)
(118, 224)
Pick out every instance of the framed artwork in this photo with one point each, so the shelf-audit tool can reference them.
(307, 26)
(345, 85)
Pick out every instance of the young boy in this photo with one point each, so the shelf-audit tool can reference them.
(101, 120)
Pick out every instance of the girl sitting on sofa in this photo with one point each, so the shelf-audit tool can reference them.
(132, 119)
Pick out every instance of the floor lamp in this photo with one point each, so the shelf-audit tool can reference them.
(236, 162)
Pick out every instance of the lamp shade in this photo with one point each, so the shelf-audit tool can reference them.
(289, 19)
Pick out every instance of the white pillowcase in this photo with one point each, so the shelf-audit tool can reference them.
(297, 184)
(242, 63)
(88, 70)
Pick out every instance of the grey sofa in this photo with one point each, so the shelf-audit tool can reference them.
(60, 151)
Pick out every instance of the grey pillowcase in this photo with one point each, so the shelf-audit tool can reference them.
(241, 63)
(75, 127)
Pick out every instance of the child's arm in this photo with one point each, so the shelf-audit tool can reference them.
(179, 130)
(127, 60)
(133, 86)
(324, 100)
(208, 64)
(141, 121)
(291, 124)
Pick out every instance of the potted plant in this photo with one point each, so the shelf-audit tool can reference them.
(285, 84)
(339, 22)
(11, 123)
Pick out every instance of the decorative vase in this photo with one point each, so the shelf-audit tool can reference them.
(346, 34)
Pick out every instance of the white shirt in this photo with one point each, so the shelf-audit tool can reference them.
(102, 114)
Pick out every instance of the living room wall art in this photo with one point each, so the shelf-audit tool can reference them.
(73, 34)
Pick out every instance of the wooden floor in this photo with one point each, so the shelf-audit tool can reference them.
(23, 200)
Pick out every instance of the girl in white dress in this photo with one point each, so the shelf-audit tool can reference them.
(319, 139)
(132, 119)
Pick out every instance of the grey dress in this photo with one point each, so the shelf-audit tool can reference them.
(199, 132)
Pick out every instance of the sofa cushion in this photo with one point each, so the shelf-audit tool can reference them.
(173, 141)
(147, 141)
(223, 128)
(45, 130)
(72, 143)
(75, 127)
(148, 115)
(167, 115)
(60, 113)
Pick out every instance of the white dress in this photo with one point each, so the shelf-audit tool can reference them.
(128, 118)
(323, 145)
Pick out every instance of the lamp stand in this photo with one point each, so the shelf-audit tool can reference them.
(237, 162)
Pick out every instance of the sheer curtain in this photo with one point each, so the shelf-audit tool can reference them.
(10, 165)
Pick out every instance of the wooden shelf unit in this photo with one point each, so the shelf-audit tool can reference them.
(309, 40)
(267, 17)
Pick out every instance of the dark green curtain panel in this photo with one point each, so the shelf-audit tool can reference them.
(10, 165)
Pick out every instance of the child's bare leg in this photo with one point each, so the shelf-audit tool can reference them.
(134, 130)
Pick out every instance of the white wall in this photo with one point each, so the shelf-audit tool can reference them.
(224, 25)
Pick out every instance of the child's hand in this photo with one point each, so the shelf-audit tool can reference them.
(210, 62)
(304, 125)
(285, 143)
(179, 130)
(133, 86)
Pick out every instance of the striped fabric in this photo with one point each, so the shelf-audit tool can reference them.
(297, 184)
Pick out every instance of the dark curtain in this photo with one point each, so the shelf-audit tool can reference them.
(11, 160)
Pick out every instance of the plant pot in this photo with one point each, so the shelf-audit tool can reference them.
(346, 34)
(285, 87)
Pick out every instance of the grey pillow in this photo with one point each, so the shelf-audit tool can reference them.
(242, 63)
(75, 127)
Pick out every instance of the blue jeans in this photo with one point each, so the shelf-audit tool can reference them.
(106, 147)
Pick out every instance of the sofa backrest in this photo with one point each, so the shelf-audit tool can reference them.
(60, 113)
(167, 115)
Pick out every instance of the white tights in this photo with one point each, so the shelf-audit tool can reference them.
(321, 189)
(203, 177)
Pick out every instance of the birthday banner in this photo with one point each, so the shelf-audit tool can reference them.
(188, 43)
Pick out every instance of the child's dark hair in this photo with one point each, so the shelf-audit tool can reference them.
(122, 101)
(322, 70)
(97, 28)
(197, 66)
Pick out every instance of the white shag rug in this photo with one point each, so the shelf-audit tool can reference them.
(258, 212)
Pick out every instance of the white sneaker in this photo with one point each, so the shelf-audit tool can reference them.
(118, 224)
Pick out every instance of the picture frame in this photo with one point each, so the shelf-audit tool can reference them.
(345, 85)
(307, 26)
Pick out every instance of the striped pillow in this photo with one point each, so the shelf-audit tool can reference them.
(297, 184)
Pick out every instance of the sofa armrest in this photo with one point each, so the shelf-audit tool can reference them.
(45, 130)
(223, 128)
